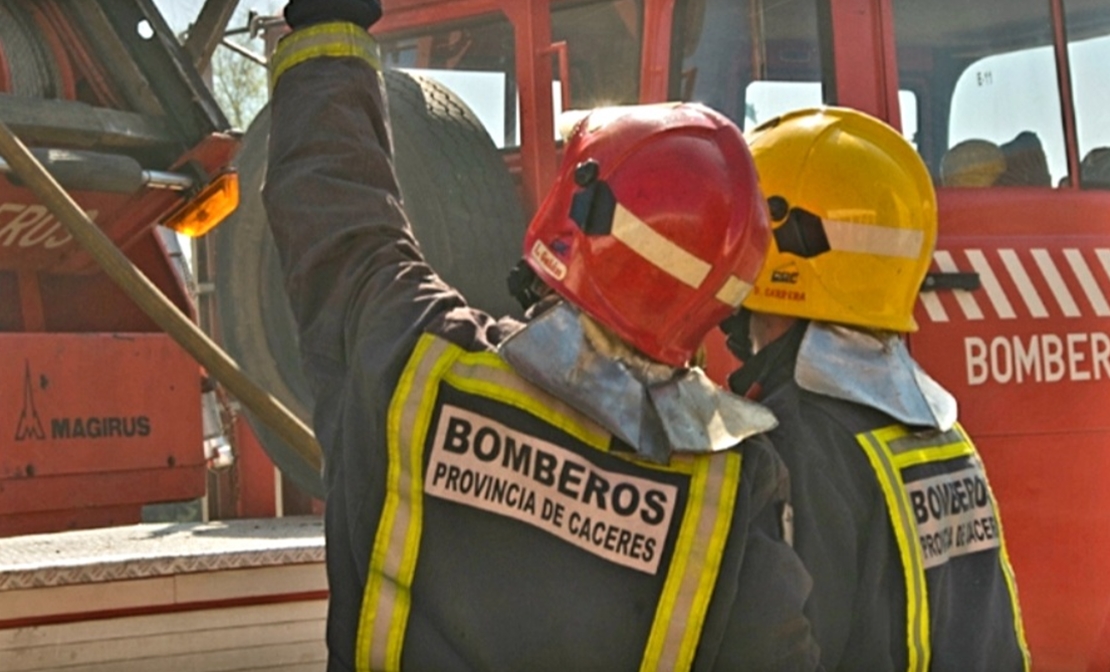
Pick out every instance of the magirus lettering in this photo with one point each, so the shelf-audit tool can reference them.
(121, 427)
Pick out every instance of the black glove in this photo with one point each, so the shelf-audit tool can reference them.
(363, 13)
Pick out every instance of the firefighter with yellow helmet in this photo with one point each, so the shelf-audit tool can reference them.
(560, 494)
(894, 516)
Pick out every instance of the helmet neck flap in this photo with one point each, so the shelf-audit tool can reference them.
(655, 409)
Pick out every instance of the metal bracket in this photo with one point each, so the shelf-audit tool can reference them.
(940, 281)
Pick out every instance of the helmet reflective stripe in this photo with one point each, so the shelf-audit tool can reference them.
(734, 291)
(668, 257)
(874, 239)
(656, 249)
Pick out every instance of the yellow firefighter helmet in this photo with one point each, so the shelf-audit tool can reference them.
(854, 219)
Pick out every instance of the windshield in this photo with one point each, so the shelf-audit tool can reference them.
(750, 60)
(995, 116)
(475, 59)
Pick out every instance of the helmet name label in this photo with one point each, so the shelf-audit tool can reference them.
(548, 261)
(780, 293)
(954, 514)
(479, 462)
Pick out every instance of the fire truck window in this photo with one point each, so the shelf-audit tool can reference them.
(984, 75)
(752, 60)
(1088, 24)
(767, 100)
(603, 45)
(475, 60)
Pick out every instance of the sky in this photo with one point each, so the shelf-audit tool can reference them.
(180, 13)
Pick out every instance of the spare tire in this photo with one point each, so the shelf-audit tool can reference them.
(464, 210)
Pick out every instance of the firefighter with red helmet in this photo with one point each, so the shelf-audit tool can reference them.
(564, 494)
(894, 516)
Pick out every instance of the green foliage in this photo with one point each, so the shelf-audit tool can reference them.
(239, 83)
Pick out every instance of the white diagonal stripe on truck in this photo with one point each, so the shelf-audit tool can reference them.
(997, 297)
(933, 306)
(1087, 281)
(1024, 284)
(1090, 280)
(966, 300)
(1055, 282)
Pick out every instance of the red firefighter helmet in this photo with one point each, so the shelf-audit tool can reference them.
(655, 226)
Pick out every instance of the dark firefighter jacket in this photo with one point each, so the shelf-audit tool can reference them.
(898, 529)
(472, 521)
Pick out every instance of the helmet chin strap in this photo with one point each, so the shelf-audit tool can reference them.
(657, 409)
(525, 286)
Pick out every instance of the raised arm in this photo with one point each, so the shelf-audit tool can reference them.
(354, 273)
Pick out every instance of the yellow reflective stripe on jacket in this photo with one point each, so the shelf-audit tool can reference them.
(909, 450)
(486, 374)
(890, 450)
(1007, 568)
(696, 560)
(386, 602)
(877, 447)
(703, 532)
(324, 40)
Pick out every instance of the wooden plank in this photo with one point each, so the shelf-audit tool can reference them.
(224, 643)
(245, 658)
(73, 124)
(305, 667)
(43, 602)
(162, 591)
(253, 582)
(207, 31)
(150, 625)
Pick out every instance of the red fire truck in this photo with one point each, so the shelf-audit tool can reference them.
(100, 412)
(1007, 102)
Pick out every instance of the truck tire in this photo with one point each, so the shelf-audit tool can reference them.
(464, 209)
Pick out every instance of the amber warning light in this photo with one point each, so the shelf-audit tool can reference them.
(214, 203)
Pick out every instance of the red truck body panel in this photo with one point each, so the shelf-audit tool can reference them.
(80, 459)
